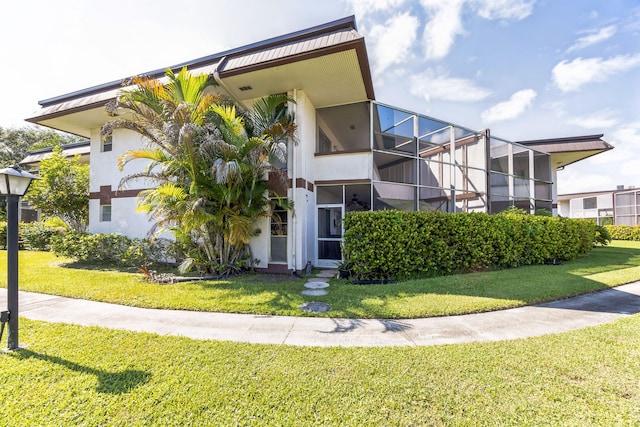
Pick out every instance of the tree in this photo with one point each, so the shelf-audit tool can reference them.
(209, 160)
(63, 190)
(16, 143)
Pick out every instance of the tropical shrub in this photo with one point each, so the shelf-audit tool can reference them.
(387, 244)
(3, 234)
(36, 235)
(32, 235)
(114, 249)
(98, 248)
(623, 232)
(602, 236)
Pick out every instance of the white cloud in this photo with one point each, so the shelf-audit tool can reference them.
(628, 134)
(596, 36)
(392, 41)
(507, 110)
(600, 120)
(429, 85)
(444, 20)
(361, 8)
(626, 140)
(443, 25)
(504, 9)
(570, 76)
(579, 180)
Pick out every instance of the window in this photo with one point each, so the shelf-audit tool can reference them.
(590, 203)
(107, 143)
(105, 213)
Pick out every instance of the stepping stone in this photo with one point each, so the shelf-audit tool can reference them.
(327, 273)
(314, 292)
(320, 279)
(316, 285)
(315, 307)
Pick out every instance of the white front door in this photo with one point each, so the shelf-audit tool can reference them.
(329, 220)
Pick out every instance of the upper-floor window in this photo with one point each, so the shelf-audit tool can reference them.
(107, 143)
(590, 203)
(344, 128)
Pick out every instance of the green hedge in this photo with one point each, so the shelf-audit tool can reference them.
(113, 249)
(624, 232)
(387, 244)
(31, 235)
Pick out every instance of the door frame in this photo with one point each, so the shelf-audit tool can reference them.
(327, 263)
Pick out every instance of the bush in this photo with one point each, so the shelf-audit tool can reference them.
(113, 249)
(3, 234)
(602, 236)
(36, 236)
(31, 235)
(102, 248)
(387, 244)
(623, 232)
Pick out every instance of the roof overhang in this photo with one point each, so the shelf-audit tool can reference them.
(565, 151)
(81, 149)
(328, 62)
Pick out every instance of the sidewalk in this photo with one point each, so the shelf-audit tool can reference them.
(560, 316)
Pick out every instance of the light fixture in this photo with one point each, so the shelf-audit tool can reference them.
(14, 183)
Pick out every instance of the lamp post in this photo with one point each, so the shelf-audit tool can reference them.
(14, 183)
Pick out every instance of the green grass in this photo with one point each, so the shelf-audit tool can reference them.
(616, 264)
(70, 375)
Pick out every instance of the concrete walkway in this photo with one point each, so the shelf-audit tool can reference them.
(560, 316)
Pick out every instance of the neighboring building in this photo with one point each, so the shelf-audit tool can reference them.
(620, 206)
(352, 153)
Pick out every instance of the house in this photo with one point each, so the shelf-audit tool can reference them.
(620, 206)
(352, 152)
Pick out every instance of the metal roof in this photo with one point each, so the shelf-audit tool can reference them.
(68, 150)
(568, 150)
(569, 144)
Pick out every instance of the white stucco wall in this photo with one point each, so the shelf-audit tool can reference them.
(260, 244)
(104, 171)
(124, 219)
(346, 166)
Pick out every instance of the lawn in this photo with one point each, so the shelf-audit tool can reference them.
(70, 375)
(613, 265)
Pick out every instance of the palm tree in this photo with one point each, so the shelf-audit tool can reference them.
(208, 161)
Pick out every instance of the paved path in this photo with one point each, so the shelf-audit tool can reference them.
(559, 316)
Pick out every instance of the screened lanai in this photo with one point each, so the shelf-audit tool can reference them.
(415, 162)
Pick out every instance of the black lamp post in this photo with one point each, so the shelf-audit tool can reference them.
(14, 183)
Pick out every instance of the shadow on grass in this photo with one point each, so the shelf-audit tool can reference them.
(108, 382)
(103, 266)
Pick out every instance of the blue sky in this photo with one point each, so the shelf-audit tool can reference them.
(526, 69)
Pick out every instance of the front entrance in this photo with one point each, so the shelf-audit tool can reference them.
(329, 235)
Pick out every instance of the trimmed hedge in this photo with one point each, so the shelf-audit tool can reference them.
(624, 232)
(387, 244)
